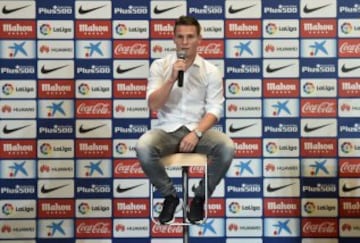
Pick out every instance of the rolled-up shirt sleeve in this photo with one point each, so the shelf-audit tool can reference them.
(215, 94)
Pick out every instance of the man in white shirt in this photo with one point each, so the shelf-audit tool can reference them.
(186, 113)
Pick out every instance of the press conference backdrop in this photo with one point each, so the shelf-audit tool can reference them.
(73, 85)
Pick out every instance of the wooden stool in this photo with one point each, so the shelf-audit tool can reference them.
(184, 160)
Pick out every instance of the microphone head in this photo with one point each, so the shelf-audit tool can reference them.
(181, 54)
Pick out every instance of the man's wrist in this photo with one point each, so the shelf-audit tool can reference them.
(198, 133)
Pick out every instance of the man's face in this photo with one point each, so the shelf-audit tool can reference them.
(186, 38)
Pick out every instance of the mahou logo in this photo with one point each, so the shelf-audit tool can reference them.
(349, 207)
(93, 29)
(131, 49)
(319, 227)
(94, 228)
(128, 168)
(162, 29)
(241, 28)
(56, 89)
(131, 208)
(18, 29)
(17, 148)
(130, 88)
(248, 147)
(97, 148)
(349, 88)
(93, 109)
(318, 147)
(167, 230)
(211, 49)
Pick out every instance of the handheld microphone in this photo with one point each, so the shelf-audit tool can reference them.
(181, 55)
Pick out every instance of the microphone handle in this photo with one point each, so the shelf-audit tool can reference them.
(180, 78)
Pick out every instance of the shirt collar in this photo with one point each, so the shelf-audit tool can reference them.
(197, 62)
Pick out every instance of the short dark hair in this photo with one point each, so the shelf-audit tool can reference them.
(188, 20)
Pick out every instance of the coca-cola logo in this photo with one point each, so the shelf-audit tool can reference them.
(134, 49)
(323, 227)
(211, 48)
(167, 229)
(321, 108)
(350, 48)
(96, 109)
(132, 169)
(98, 228)
(197, 169)
(348, 167)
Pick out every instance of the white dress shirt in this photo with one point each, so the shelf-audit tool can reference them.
(202, 93)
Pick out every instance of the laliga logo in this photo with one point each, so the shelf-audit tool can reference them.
(7, 209)
(271, 28)
(121, 29)
(346, 28)
(45, 29)
(84, 89)
(309, 207)
(234, 88)
(121, 148)
(7, 89)
(309, 88)
(45, 148)
(234, 207)
(157, 207)
(271, 148)
(84, 208)
(346, 147)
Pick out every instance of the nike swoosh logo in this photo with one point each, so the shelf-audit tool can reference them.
(232, 129)
(48, 190)
(234, 10)
(274, 189)
(311, 129)
(86, 130)
(45, 70)
(310, 10)
(8, 131)
(119, 70)
(160, 11)
(349, 189)
(9, 11)
(119, 189)
(272, 70)
(346, 69)
(85, 11)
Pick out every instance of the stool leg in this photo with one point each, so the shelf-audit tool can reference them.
(185, 201)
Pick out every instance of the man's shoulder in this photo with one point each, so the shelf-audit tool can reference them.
(165, 59)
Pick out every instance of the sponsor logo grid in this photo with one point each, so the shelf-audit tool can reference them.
(72, 105)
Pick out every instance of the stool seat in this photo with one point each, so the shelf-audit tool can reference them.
(184, 159)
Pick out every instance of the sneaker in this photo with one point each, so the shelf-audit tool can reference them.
(196, 213)
(168, 210)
